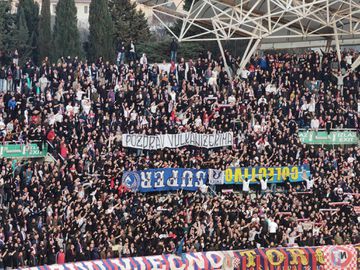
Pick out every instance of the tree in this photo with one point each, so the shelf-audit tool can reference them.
(187, 4)
(44, 39)
(31, 12)
(157, 51)
(66, 40)
(21, 37)
(129, 23)
(101, 39)
(4, 24)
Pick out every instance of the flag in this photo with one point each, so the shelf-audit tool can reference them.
(216, 177)
(179, 250)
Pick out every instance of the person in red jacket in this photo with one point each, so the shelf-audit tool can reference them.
(60, 257)
(51, 135)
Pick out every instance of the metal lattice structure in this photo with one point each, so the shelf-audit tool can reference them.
(290, 22)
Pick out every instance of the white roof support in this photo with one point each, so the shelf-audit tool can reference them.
(337, 43)
(248, 53)
(222, 53)
(278, 22)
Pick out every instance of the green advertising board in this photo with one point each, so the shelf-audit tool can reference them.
(31, 150)
(334, 138)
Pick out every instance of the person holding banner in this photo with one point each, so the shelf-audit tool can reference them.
(309, 182)
(246, 185)
(264, 184)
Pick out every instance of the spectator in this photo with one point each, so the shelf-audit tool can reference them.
(78, 208)
(132, 51)
(173, 50)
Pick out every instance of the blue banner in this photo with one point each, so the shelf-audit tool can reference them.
(275, 175)
(164, 179)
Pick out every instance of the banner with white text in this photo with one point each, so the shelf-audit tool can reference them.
(164, 179)
(154, 142)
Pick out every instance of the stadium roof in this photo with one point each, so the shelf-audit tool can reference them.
(267, 23)
(265, 19)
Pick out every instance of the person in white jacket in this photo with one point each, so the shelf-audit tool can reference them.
(143, 59)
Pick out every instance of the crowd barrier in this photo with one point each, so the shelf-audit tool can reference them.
(344, 257)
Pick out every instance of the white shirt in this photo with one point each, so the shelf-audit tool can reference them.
(262, 100)
(292, 240)
(132, 47)
(312, 106)
(252, 234)
(305, 107)
(231, 99)
(246, 185)
(272, 226)
(133, 116)
(309, 183)
(2, 124)
(86, 106)
(153, 108)
(348, 59)
(79, 95)
(315, 123)
(340, 79)
(69, 108)
(144, 121)
(173, 95)
(271, 89)
(163, 68)
(198, 122)
(264, 184)
(43, 82)
(143, 60)
(244, 73)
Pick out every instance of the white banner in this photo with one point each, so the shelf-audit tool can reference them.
(154, 142)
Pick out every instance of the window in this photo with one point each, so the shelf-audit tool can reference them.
(86, 9)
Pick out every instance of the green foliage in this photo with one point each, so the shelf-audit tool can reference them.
(21, 38)
(157, 51)
(190, 50)
(129, 23)
(187, 4)
(3, 12)
(44, 39)
(6, 25)
(66, 40)
(101, 42)
(31, 12)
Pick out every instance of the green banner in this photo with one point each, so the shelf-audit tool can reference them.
(31, 150)
(322, 137)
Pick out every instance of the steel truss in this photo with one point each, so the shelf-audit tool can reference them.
(261, 21)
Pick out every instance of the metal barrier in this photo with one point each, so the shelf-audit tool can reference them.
(53, 152)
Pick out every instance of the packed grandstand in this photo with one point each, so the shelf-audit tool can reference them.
(176, 158)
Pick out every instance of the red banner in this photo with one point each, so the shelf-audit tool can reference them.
(304, 258)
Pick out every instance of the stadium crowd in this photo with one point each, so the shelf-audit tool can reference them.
(77, 208)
